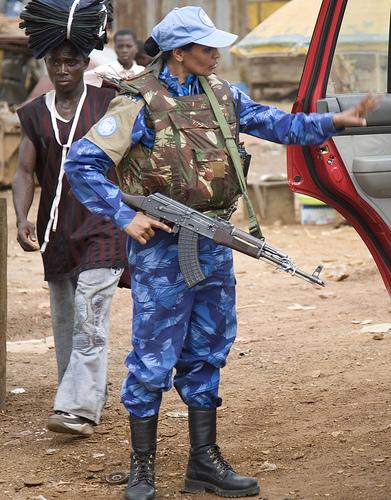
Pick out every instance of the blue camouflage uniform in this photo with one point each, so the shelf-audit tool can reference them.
(191, 330)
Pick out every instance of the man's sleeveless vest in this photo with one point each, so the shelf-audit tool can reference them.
(189, 161)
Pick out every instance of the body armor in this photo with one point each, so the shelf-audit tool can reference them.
(189, 161)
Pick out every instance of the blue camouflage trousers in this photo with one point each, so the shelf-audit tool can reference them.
(174, 327)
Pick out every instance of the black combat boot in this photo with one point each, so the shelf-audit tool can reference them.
(141, 484)
(207, 470)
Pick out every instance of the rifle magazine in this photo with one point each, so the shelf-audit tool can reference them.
(188, 257)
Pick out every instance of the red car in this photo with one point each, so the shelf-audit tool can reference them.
(352, 171)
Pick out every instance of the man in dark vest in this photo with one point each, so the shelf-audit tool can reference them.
(164, 138)
(83, 254)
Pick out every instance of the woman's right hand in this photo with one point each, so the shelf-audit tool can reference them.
(142, 227)
(26, 236)
(356, 116)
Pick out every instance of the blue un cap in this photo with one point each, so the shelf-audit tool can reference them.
(189, 25)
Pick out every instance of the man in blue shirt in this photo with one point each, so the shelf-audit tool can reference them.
(164, 137)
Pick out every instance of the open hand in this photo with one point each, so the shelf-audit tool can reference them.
(26, 236)
(142, 227)
(355, 116)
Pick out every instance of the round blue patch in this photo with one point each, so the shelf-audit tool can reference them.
(107, 126)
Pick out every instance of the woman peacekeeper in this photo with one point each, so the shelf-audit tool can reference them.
(163, 137)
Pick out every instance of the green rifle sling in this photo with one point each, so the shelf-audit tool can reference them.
(232, 148)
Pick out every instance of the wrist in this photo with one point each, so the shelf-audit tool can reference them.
(21, 221)
(339, 121)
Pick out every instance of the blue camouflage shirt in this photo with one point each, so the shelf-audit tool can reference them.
(87, 164)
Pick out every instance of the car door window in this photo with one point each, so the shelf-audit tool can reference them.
(360, 62)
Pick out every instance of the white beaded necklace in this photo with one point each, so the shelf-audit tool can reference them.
(52, 224)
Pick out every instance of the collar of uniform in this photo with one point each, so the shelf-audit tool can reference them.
(189, 87)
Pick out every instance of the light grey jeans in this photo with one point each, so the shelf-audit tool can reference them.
(80, 308)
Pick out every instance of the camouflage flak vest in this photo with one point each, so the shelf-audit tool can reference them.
(189, 161)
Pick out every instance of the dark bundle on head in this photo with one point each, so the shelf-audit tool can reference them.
(48, 23)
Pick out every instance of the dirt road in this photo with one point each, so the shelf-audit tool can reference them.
(306, 394)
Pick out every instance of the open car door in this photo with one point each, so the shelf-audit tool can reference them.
(349, 55)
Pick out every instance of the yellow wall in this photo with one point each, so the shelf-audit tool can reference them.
(258, 10)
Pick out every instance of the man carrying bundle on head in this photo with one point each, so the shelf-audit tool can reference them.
(83, 254)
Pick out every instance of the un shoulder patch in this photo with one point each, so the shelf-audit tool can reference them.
(107, 126)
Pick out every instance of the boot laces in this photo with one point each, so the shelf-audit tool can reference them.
(143, 467)
(217, 458)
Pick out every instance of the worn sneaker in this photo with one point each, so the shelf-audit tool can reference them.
(70, 424)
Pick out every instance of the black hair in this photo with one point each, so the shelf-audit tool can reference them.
(124, 32)
(152, 49)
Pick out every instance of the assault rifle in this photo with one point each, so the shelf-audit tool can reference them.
(190, 223)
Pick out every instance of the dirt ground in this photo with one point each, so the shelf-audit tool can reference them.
(306, 393)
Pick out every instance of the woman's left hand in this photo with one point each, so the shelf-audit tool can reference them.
(355, 117)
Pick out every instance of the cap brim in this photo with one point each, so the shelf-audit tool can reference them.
(218, 39)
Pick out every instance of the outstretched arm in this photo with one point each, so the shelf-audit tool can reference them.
(356, 116)
(273, 124)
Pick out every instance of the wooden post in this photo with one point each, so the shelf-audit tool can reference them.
(3, 300)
